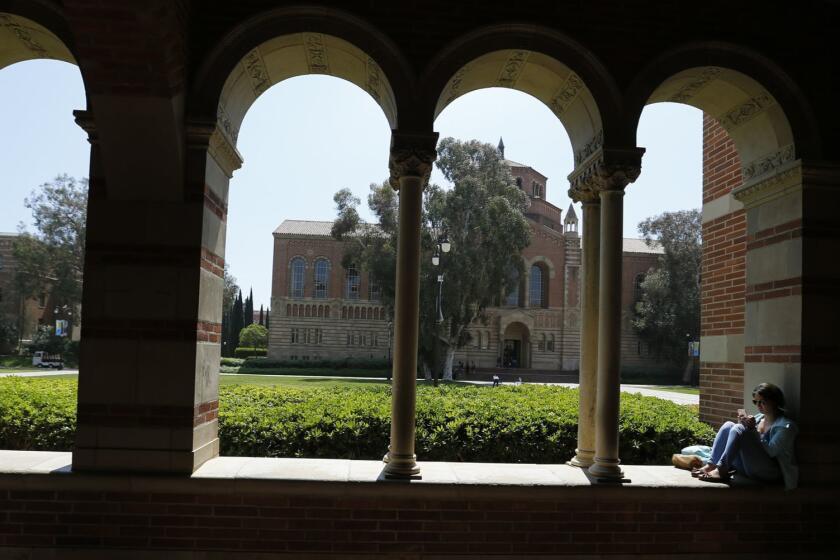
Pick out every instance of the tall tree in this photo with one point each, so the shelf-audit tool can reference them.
(229, 292)
(249, 308)
(237, 321)
(262, 319)
(51, 259)
(482, 215)
(267, 324)
(668, 314)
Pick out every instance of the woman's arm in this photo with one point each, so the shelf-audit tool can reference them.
(781, 439)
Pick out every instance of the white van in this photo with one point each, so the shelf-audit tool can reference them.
(43, 360)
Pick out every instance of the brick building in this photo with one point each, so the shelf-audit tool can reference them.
(325, 311)
(25, 314)
(168, 84)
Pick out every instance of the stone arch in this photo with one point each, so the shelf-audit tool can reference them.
(293, 41)
(757, 103)
(543, 63)
(34, 31)
(364, 312)
(356, 313)
(548, 264)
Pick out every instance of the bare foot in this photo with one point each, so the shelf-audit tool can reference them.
(715, 475)
(709, 467)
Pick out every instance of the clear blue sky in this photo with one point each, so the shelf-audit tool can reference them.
(308, 137)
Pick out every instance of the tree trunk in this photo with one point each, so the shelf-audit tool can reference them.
(427, 373)
(447, 364)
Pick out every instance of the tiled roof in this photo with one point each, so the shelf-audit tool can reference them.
(304, 227)
(323, 229)
(632, 245)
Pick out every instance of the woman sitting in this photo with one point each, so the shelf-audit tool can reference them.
(759, 447)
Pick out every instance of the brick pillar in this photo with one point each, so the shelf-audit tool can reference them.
(723, 277)
(148, 383)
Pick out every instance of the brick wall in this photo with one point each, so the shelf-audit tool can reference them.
(302, 519)
(723, 275)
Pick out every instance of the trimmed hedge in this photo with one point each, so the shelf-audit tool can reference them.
(248, 352)
(527, 423)
(342, 363)
(37, 414)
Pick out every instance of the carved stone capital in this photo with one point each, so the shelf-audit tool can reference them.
(210, 136)
(605, 170)
(412, 155)
(84, 119)
(783, 180)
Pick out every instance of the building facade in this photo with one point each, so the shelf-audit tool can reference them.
(322, 310)
(25, 314)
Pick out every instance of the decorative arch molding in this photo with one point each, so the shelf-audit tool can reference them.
(753, 98)
(31, 31)
(540, 259)
(294, 41)
(555, 69)
(508, 319)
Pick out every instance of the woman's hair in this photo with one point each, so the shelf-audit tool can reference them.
(771, 393)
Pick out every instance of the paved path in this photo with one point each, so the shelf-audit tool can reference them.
(40, 373)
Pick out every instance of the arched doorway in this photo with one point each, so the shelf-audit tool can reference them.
(516, 346)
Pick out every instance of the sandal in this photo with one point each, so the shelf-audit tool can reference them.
(718, 477)
(709, 467)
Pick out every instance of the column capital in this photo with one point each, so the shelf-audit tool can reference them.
(412, 155)
(84, 119)
(609, 169)
(211, 136)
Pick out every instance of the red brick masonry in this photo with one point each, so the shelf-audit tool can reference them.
(387, 518)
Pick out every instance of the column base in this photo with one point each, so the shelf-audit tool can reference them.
(583, 458)
(401, 466)
(606, 470)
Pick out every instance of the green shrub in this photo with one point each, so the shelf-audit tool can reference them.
(247, 352)
(515, 424)
(37, 414)
(232, 362)
(331, 364)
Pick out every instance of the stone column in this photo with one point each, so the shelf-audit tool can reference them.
(585, 452)
(612, 174)
(411, 162)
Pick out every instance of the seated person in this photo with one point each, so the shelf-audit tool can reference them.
(759, 447)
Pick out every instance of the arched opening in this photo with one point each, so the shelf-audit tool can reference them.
(516, 351)
(47, 161)
(521, 95)
(748, 142)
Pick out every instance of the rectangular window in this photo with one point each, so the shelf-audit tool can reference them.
(294, 337)
(374, 290)
(351, 283)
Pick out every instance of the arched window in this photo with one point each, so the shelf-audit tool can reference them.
(519, 182)
(513, 296)
(322, 278)
(298, 269)
(351, 283)
(541, 345)
(537, 287)
(551, 343)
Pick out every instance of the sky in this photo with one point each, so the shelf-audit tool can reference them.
(307, 137)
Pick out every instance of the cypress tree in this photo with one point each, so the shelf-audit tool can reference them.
(266, 320)
(249, 309)
(262, 320)
(237, 322)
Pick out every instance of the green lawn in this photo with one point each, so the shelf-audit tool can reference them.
(292, 381)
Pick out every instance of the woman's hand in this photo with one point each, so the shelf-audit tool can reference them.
(748, 422)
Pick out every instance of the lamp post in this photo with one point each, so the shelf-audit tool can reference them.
(442, 245)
